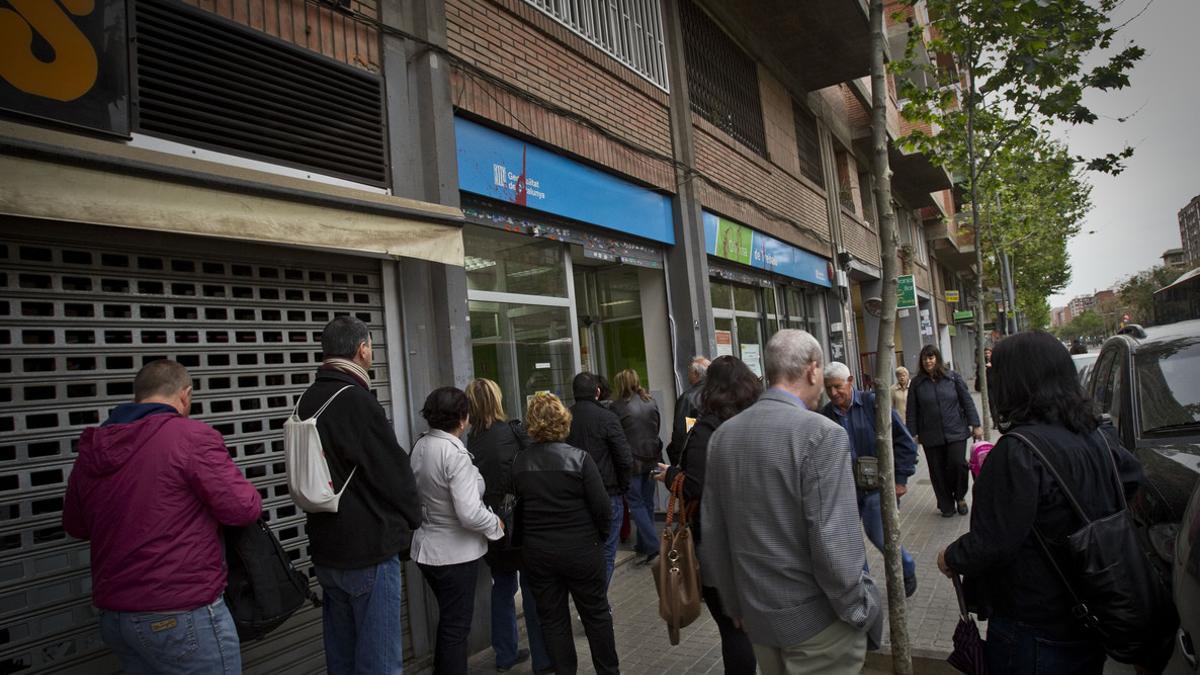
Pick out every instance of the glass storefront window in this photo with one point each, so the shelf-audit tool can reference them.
(512, 263)
(745, 298)
(720, 295)
(524, 348)
(609, 303)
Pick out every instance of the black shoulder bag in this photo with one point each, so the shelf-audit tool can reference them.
(505, 553)
(1117, 593)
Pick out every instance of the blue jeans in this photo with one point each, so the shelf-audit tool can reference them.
(203, 640)
(641, 509)
(361, 618)
(1014, 648)
(870, 510)
(504, 622)
(614, 533)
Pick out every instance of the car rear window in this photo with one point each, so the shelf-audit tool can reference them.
(1168, 376)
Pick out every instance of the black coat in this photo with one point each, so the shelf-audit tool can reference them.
(688, 405)
(561, 500)
(640, 421)
(492, 451)
(692, 465)
(940, 411)
(380, 508)
(598, 431)
(1013, 494)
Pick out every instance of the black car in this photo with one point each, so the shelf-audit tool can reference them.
(1148, 381)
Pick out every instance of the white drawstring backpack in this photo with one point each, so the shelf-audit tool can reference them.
(309, 481)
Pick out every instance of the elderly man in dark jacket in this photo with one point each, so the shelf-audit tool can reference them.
(598, 431)
(687, 406)
(357, 551)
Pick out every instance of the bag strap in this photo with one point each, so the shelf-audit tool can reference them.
(513, 426)
(1112, 461)
(1057, 476)
(296, 409)
(676, 505)
(1079, 610)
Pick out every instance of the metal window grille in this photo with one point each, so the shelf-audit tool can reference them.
(808, 145)
(722, 79)
(631, 31)
(205, 80)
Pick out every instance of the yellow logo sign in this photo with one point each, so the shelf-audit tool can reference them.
(73, 70)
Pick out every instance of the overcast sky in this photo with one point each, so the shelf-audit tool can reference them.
(1135, 214)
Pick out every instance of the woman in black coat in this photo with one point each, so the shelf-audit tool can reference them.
(1038, 397)
(941, 416)
(729, 388)
(494, 442)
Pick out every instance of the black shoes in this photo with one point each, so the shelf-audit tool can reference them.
(910, 586)
(522, 657)
(648, 560)
(962, 507)
(947, 514)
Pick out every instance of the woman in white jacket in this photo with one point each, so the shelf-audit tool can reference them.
(455, 525)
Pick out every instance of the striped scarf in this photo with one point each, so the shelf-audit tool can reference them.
(350, 368)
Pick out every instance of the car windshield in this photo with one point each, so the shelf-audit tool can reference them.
(1168, 376)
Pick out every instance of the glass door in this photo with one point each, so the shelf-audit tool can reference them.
(609, 307)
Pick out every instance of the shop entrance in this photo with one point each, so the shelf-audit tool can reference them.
(609, 307)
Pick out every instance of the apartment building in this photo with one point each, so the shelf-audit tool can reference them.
(1189, 231)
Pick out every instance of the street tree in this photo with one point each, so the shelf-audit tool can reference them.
(1137, 292)
(1088, 326)
(886, 349)
(1015, 64)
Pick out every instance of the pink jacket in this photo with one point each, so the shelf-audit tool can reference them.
(151, 495)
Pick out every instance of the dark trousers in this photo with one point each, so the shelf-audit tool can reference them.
(577, 572)
(736, 649)
(454, 588)
(1016, 648)
(948, 472)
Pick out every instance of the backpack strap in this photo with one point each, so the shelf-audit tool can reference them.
(296, 409)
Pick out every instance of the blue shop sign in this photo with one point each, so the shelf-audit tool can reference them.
(502, 167)
(724, 238)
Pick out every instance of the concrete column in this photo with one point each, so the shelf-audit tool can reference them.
(687, 261)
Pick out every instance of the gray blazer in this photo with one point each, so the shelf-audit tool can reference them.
(782, 540)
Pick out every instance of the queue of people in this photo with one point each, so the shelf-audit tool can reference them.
(783, 490)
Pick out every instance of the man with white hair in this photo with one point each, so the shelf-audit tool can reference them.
(781, 536)
(687, 407)
(855, 412)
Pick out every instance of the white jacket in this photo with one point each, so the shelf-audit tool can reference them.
(455, 525)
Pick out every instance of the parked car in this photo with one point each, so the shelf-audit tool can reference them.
(1185, 582)
(1148, 381)
(1083, 365)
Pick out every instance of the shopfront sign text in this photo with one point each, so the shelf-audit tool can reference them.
(729, 240)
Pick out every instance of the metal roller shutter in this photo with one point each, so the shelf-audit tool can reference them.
(81, 310)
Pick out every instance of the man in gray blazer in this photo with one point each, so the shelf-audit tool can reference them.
(782, 543)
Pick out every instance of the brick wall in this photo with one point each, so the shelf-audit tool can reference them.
(320, 29)
(861, 241)
(513, 41)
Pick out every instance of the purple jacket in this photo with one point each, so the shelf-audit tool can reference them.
(150, 494)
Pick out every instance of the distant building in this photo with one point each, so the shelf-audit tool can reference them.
(1080, 304)
(1104, 296)
(1175, 258)
(1189, 231)
(1060, 316)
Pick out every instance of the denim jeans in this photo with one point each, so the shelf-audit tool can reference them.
(1014, 648)
(610, 546)
(361, 617)
(203, 640)
(505, 638)
(641, 508)
(454, 588)
(869, 509)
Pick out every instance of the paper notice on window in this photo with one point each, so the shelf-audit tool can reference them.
(724, 343)
(751, 354)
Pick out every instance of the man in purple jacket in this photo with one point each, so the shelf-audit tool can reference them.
(150, 490)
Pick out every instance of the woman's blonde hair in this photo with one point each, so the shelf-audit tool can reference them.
(486, 403)
(628, 383)
(547, 419)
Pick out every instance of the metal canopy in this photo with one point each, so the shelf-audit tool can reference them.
(818, 43)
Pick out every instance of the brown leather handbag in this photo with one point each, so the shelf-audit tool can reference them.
(677, 571)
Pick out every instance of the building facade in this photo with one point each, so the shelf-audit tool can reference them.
(1081, 303)
(513, 189)
(1175, 258)
(1189, 231)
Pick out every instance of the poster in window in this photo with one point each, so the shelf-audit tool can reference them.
(752, 357)
(724, 343)
(66, 61)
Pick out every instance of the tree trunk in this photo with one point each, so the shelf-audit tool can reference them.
(973, 176)
(886, 352)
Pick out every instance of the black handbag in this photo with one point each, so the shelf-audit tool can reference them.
(1117, 593)
(504, 554)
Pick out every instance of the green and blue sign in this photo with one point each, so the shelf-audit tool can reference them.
(501, 167)
(724, 238)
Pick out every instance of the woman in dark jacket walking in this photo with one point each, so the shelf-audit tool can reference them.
(640, 419)
(562, 520)
(1031, 627)
(730, 387)
(494, 442)
(941, 416)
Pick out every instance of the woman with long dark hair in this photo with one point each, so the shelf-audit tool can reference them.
(1017, 499)
(941, 416)
(729, 388)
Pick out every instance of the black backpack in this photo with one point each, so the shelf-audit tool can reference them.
(263, 588)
